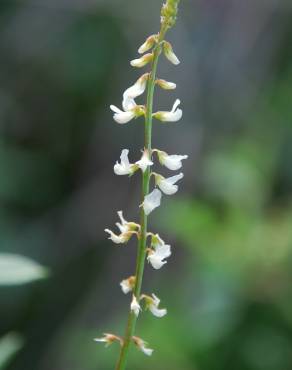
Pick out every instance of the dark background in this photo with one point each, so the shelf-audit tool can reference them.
(227, 286)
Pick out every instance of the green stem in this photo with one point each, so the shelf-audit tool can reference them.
(142, 248)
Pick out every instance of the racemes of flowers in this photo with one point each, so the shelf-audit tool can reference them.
(151, 247)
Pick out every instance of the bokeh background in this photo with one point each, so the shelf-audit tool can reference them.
(227, 286)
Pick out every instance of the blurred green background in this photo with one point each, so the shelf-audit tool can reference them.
(227, 286)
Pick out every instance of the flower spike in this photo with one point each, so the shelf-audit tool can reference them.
(173, 116)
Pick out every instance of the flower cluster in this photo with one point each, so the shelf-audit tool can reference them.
(151, 246)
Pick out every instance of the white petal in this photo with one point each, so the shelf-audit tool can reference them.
(158, 312)
(124, 117)
(148, 44)
(173, 116)
(123, 168)
(128, 103)
(152, 201)
(135, 307)
(144, 162)
(167, 185)
(126, 288)
(100, 340)
(115, 109)
(120, 214)
(168, 51)
(137, 89)
(156, 261)
(175, 105)
(147, 351)
(115, 238)
(141, 62)
(172, 162)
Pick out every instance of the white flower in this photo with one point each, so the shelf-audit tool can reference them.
(135, 307)
(127, 285)
(125, 167)
(121, 116)
(145, 161)
(118, 239)
(137, 89)
(142, 345)
(153, 307)
(167, 184)
(172, 162)
(148, 44)
(168, 52)
(108, 339)
(152, 201)
(173, 116)
(141, 62)
(166, 84)
(161, 251)
(131, 110)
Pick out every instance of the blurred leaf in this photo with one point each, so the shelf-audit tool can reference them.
(9, 345)
(16, 269)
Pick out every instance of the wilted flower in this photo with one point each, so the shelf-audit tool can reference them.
(167, 184)
(108, 339)
(128, 285)
(151, 201)
(142, 345)
(173, 116)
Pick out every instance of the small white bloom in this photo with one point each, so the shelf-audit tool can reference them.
(127, 285)
(148, 44)
(173, 116)
(145, 161)
(166, 84)
(168, 52)
(142, 345)
(141, 62)
(137, 89)
(121, 116)
(108, 339)
(152, 201)
(153, 307)
(167, 184)
(118, 239)
(125, 167)
(135, 307)
(172, 162)
(156, 257)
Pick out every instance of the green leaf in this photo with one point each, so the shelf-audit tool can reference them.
(9, 345)
(16, 269)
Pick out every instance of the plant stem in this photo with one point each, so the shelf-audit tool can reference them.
(142, 248)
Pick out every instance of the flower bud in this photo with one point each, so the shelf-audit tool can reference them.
(168, 52)
(166, 85)
(141, 62)
(148, 44)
